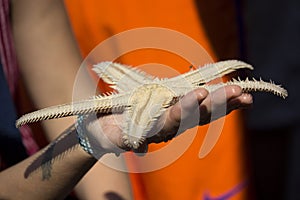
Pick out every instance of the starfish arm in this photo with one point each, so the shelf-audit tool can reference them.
(121, 77)
(246, 85)
(100, 104)
(208, 73)
(252, 86)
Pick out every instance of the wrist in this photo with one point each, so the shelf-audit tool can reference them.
(89, 137)
(81, 131)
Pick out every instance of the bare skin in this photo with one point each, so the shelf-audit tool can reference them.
(48, 59)
(60, 183)
(199, 101)
(46, 54)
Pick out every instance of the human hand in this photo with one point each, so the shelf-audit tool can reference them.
(106, 133)
(208, 107)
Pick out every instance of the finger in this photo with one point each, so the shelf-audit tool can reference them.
(215, 105)
(184, 109)
(172, 119)
(244, 101)
(187, 104)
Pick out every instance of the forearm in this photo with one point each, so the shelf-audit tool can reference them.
(49, 59)
(47, 54)
(50, 174)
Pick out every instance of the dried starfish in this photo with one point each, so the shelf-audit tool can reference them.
(143, 98)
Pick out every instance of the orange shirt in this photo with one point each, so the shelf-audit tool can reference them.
(219, 173)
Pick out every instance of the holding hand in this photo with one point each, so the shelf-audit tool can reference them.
(106, 134)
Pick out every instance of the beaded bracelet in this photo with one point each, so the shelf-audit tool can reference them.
(81, 134)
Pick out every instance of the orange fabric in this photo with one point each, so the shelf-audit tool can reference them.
(188, 177)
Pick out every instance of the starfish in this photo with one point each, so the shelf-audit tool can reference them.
(143, 98)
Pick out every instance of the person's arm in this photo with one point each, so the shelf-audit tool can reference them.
(53, 172)
(48, 58)
(47, 54)
(40, 179)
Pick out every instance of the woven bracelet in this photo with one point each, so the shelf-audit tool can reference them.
(81, 134)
